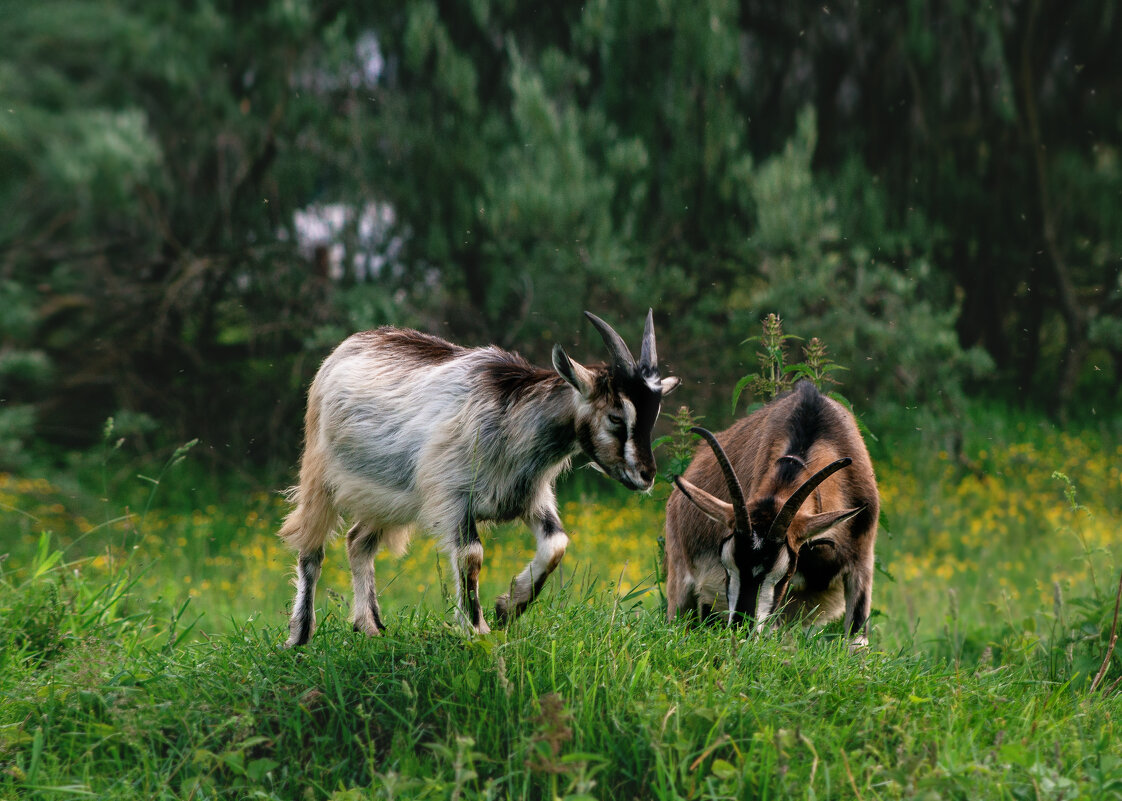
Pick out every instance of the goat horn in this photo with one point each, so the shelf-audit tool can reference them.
(739, 507)
(648, 359)
(783, 520)
(621, 356)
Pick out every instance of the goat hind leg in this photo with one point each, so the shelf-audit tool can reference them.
(527, 585)
(362, 543)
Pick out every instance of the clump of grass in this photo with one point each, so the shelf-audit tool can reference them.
(590, 695)
(110, 686)
(1084, 631)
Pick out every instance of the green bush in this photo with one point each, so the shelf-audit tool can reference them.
(25, 374)
(833, 265)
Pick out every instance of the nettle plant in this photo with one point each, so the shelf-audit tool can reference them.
(679, 445)
(774, 377)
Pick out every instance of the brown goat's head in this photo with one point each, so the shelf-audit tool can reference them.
(760, 553)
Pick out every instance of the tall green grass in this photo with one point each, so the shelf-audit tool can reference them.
(139, 649)
(590, 694)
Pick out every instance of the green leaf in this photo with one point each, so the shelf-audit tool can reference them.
(257, 769)
(582, 756)
(723, 770)
(471, 679)
(879, 567)
(45, 559)
(234, 760)
(740, 385)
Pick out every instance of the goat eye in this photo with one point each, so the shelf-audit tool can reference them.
(615, 420)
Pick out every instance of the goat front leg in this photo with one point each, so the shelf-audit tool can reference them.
(527, 585)
(858, 579)
(858, 601)
(681, 596)
(467, 561)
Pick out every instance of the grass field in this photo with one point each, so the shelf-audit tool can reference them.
(140, 650)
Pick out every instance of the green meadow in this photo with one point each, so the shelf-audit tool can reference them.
(142, 607)
(917, 205)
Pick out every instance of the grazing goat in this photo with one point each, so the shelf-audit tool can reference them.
(404, 429)
(792, 532)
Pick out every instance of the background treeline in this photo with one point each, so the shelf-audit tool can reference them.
(200, 198)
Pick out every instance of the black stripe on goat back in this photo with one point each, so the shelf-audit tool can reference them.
(804, 427)
(511, 377)
(424, 348)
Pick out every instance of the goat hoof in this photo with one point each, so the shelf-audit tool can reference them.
(502, 610)
(369, 629)
(506, 610)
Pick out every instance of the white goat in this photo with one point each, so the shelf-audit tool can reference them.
(405, 429)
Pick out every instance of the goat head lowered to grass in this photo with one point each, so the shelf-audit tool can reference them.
(799, 541)
(404, 429)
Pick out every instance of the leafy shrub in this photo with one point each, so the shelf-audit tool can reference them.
(833, 263)
(25, 372)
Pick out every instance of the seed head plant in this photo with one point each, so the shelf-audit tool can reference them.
(776, 376)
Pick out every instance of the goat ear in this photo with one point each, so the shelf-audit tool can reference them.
(802, 529)
(669, 384)
(711, 506)
(574, 372)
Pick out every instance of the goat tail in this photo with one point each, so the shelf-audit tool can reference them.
(313, 520)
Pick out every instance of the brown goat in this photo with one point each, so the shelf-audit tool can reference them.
(755, 519)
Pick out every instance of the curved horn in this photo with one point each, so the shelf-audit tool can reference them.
(783, 520)
(621, 356)
(648, 358)
(739, 507)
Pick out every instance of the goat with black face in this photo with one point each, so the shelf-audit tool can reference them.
(797, 541)
(406, 430)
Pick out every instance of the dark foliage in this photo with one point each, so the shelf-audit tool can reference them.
(201, 200)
